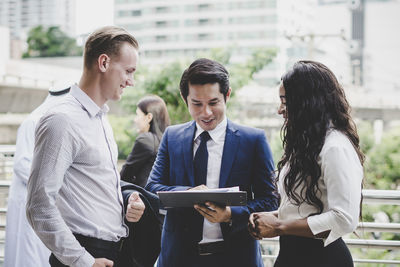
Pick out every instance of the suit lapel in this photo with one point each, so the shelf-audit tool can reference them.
(187, 147)
(230, 148)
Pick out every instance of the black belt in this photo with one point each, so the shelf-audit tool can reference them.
(93, 242)
(211, 248)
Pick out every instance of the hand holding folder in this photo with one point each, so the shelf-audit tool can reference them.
(221, 197)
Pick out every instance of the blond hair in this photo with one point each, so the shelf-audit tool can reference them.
(106, 40)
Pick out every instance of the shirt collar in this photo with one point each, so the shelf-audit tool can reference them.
(216, 133)
(87, 103)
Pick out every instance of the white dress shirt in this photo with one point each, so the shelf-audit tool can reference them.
(20, 237)
(340, 186)
(74, 185)
(212, 231)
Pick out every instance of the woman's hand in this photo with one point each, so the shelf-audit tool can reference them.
(263, 224)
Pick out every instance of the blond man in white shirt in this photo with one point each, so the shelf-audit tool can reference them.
(74, 199)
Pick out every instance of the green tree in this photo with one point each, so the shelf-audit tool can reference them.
(50, 42)
(383, 160)
(164, 80)
(366, 134)
(124, 134)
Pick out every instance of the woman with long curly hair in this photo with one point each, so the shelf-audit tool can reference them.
(319, 175)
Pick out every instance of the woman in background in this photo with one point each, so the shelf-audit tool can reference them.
(320, 173)
(151, 120)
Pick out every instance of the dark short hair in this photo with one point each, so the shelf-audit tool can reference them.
(106, 40)
(203, 71)
(156, 106)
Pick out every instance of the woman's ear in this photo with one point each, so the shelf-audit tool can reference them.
(149, 117)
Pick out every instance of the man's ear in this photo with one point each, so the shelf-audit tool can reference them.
(103, 61)
(184, 100)
(228, 94)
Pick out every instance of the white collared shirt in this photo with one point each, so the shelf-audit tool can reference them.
(74, 185)
(340, 185)
(215, 146)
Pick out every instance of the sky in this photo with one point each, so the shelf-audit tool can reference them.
(92, 14)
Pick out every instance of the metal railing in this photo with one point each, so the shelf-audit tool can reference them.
(387, 197)
(6, 161)
(25, 81)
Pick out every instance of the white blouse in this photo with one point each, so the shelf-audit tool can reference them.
(340, 186)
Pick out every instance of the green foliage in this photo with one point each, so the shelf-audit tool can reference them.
(381, 172)
(50, 42)
(392, 211)
(383, 160)
(365, 132)
(276, 147)
(164, 80)
(242, 73)
(124, 134)
(222, 55)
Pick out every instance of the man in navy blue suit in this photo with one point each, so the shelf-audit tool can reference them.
(212, 152)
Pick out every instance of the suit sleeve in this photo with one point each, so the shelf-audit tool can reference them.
(141, 152)
(263, 188)
(160, 174)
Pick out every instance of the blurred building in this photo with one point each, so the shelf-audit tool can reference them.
(4, 48)
(381, 51)
(22, 15)
(370, 54)
(176, 28)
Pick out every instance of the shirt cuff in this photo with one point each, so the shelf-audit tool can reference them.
(84, 261)
(319, 223)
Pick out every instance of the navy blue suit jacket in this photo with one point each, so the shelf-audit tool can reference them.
(246, 162)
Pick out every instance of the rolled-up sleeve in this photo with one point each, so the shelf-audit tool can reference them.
(342, 173)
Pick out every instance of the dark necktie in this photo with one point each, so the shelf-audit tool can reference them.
(201, 159)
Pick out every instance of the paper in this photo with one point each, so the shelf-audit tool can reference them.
(220, 196)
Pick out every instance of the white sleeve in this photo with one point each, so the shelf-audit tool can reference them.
(24, 150)
(54, 152)
(342, 173)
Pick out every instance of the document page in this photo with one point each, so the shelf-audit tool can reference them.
(221, 196)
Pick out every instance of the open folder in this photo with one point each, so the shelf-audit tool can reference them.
(221, 197)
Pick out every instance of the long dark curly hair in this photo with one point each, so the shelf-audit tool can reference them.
(315, 102)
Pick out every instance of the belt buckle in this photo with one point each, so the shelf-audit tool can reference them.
(211, 248)
(121, 244)
(202, 248)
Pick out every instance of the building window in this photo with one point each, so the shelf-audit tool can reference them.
(203, 37)
(204, 21)
(161, 38)
(271, 3)
(129, 13)
(136, 13)
(161, 24)
(161, 9)
(204, 7)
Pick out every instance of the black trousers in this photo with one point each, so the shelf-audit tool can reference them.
(309, 252)
(97, 248)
